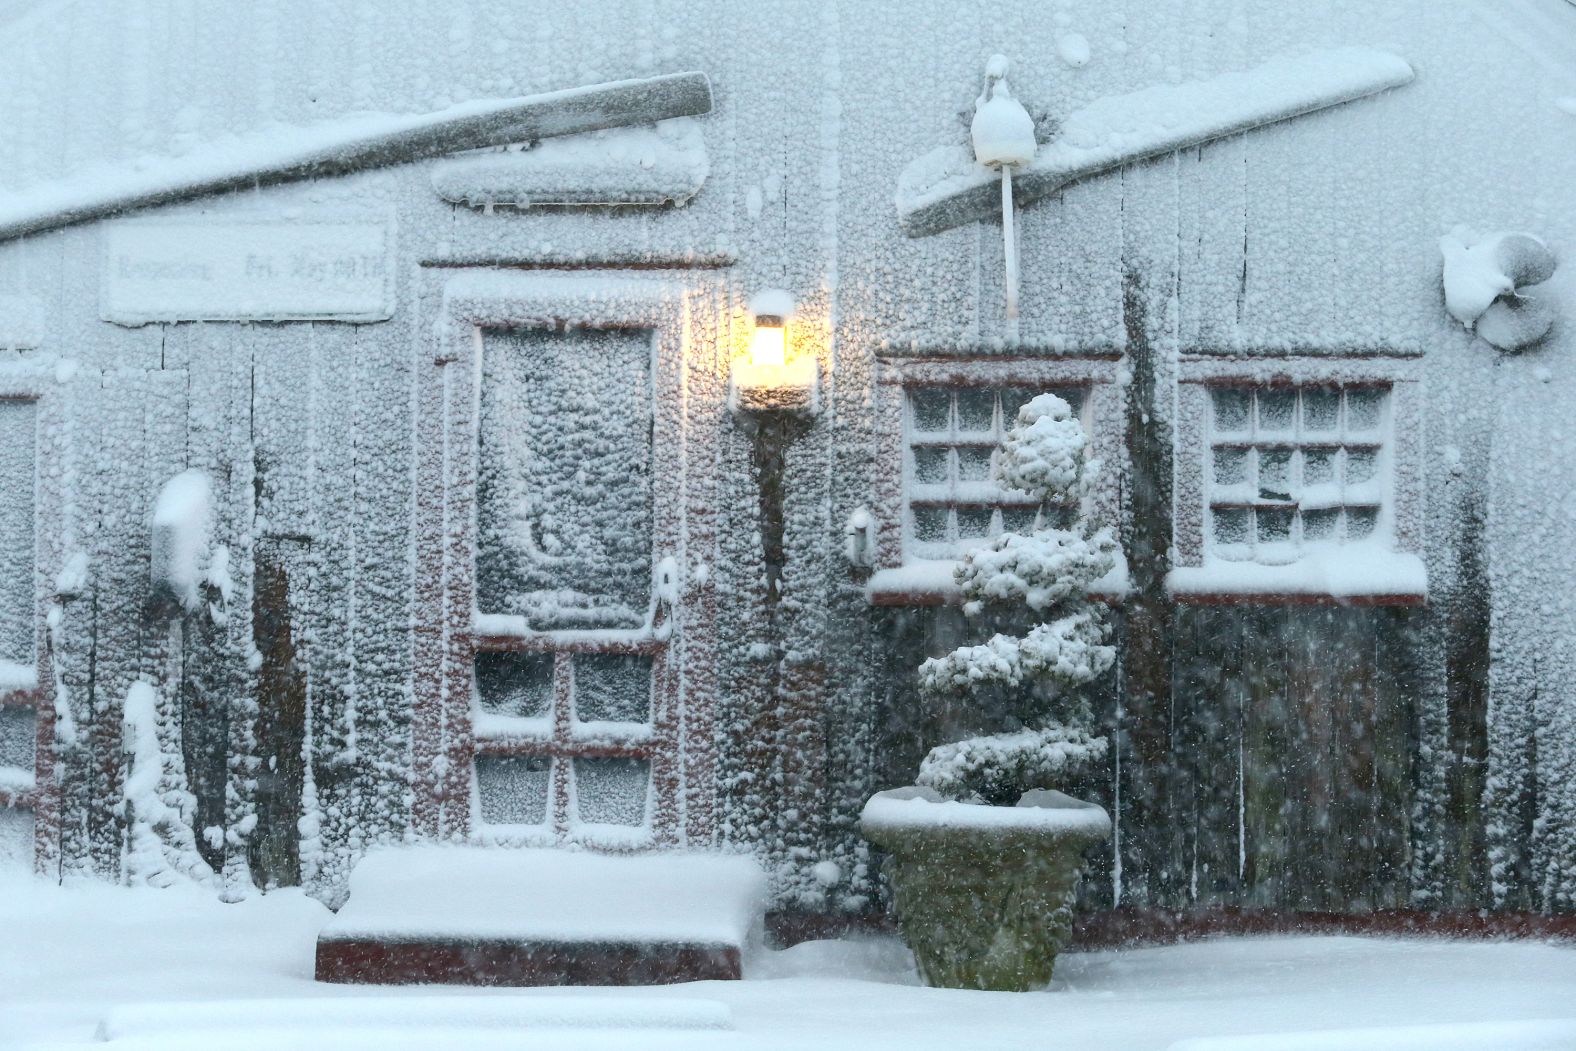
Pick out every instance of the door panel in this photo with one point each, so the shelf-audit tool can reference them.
(564, 500)
(564, 715)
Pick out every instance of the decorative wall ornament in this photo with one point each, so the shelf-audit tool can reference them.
(1491, 286)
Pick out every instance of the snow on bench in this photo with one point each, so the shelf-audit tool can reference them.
(498, 916)
(1550, 1035)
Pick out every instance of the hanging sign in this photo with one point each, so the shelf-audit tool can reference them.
(247, 270)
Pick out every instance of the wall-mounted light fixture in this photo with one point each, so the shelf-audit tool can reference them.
(767, 378)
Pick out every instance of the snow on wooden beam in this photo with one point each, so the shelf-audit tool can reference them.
(21, 322)
(351, 144)
(664, 164)
(947, 187)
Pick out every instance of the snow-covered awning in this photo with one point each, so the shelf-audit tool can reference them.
(351, 144)
(948, 187)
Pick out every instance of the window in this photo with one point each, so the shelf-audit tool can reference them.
(564, 743)
(951, 438)
(1291, 467)
(1298, 480)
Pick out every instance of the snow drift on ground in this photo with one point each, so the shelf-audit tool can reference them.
(67, 956)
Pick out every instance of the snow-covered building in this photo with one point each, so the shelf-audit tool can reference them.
(393, 449)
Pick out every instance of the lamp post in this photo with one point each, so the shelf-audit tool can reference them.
(1003, 135)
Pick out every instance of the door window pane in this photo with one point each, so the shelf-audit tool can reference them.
(612, 687)
(513, 790)
(517, 684)
(612, 791)
(16, 841)
(18, 734)
(564, 478)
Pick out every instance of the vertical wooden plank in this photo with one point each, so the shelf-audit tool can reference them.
(328, 503)
(380, 611)
(457, 540)
(704, 363)
(562, 814)
(1268, 750)
(73, 630)
(51, 541)
(1208, 689)
(123, 497)
(429, 633)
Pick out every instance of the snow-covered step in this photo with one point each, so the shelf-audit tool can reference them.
(496, 916)
(386, 1023)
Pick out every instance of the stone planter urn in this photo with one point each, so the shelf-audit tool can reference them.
(984, 894)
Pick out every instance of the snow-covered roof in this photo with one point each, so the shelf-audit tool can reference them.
(350, 144)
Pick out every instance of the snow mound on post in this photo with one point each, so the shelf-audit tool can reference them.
(183, 535)
(440, 892)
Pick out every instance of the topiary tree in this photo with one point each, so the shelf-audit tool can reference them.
(1039, 674)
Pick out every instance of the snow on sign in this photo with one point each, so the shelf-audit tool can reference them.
(247, 270)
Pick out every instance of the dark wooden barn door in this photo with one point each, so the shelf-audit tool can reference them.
(1294, 737)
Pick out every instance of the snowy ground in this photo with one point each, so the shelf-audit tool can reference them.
(67, 956)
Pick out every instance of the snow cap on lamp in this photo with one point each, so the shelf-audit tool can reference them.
(1002, 130)
(772, 303)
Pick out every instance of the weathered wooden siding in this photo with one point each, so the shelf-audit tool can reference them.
(1313, 237)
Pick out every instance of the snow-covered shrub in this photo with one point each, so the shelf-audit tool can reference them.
(1048, 573)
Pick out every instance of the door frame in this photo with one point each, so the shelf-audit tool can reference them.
(682, 312)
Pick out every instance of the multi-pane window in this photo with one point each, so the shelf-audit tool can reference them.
(567, 761)
(951, 438)
(1295, 466)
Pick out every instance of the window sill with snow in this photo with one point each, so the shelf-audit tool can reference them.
(932, 582)
(1353, 574)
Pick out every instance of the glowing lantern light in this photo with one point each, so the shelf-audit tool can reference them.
(764, 380)
(769, 343)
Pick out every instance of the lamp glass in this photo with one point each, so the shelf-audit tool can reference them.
(768, 346)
